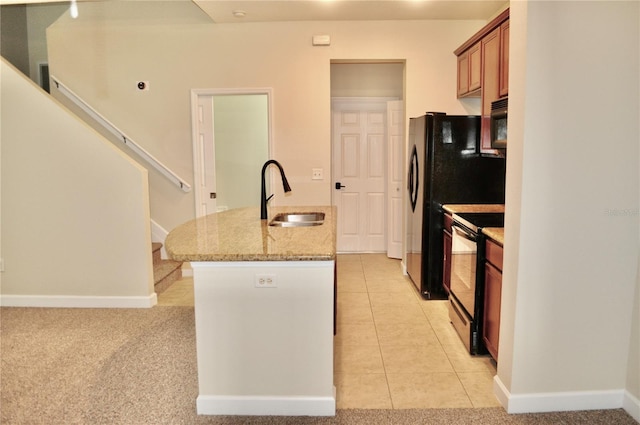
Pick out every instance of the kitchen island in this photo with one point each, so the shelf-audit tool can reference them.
(264, 311)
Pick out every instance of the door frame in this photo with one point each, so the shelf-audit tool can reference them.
(196, 94)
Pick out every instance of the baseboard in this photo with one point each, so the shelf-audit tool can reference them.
(266, 406)
(73, 301)
(558, 402)
(631, 405)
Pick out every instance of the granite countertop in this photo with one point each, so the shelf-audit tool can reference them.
(240, 235)
(464, 208)
(495, 233)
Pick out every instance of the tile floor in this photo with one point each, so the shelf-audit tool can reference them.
(393, 350)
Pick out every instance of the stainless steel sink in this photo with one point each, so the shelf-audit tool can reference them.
(298, 219)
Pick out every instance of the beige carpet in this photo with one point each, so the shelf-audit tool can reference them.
(138, 366)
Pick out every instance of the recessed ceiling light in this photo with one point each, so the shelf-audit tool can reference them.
(239, 13)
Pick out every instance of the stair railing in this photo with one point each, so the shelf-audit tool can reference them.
(155, 163)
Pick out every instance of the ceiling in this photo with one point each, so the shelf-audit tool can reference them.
(222, 11)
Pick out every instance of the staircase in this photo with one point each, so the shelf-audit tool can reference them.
(165, 272)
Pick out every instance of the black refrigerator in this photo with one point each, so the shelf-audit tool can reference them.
(445, 167)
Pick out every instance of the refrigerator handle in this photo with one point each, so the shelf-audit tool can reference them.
(414, 175)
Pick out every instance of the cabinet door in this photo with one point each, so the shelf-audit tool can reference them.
(504, 59)
(475, 67)
(490, 84)
(463, 74)
(491, 315)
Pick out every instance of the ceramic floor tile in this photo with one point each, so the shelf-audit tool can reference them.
(462, 361)
(397, 314)
(353, 307)
(351, 283)
(401, 299)
(419, 333)
(427, 390)
(356, 334)
(479, 388)
(437, 310)
(357, 359)
(389, 285)
(348, 258)
(415, 359)
(362, 391)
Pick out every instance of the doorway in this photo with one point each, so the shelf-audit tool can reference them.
(231, 132)
(367, 111)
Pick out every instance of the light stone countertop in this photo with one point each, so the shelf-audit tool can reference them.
(465, 208)
(240, 235)
(495, 233)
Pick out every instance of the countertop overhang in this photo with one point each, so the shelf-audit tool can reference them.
(240, 235)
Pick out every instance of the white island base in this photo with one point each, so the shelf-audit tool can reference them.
(264, 337)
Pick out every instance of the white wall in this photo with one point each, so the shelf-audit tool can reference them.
(75, 210)
(241, 128)
(176, 58)
(572, 207)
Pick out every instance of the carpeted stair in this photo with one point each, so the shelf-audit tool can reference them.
(165, 272)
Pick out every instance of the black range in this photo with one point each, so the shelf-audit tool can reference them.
(466, 297)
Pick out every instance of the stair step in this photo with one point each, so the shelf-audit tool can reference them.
(165, 272)
(157, 254)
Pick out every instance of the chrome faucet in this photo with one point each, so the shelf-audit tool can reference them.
(263, 198)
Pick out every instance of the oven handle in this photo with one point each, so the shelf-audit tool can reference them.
(460, 232)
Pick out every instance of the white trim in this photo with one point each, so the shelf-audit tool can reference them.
(195, 94)
(558, 401)
(74, 301)
(153, 161)
(266, 405)
(631, 405)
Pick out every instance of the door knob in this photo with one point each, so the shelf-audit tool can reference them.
(339, 186)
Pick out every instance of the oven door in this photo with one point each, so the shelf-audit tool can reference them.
(464, 253)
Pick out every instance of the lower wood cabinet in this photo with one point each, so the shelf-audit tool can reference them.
(492, 297)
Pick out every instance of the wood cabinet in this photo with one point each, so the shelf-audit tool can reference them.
(470, 72)
(504, 59)
(488, 51)
(447, 242)
(492, 297)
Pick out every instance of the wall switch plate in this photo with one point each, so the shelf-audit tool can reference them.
(266, 281)
(316, 174)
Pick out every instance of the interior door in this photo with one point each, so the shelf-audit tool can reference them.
(231, 141)
(204, 158)
(395, 129)
(359, 174)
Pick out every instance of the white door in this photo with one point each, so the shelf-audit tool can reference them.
(359, 174)
(395, 159)
(204, 157)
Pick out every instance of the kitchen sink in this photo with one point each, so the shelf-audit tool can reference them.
(298, 219)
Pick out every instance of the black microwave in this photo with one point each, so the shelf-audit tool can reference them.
(499, 123)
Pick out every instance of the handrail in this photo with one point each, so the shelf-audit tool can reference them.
(155, 163)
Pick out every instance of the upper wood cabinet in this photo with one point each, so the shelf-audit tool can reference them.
(486, 55)
(504, 58)
(470, 72)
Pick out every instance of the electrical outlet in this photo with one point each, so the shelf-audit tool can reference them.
(316, 174)
(266, 281)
